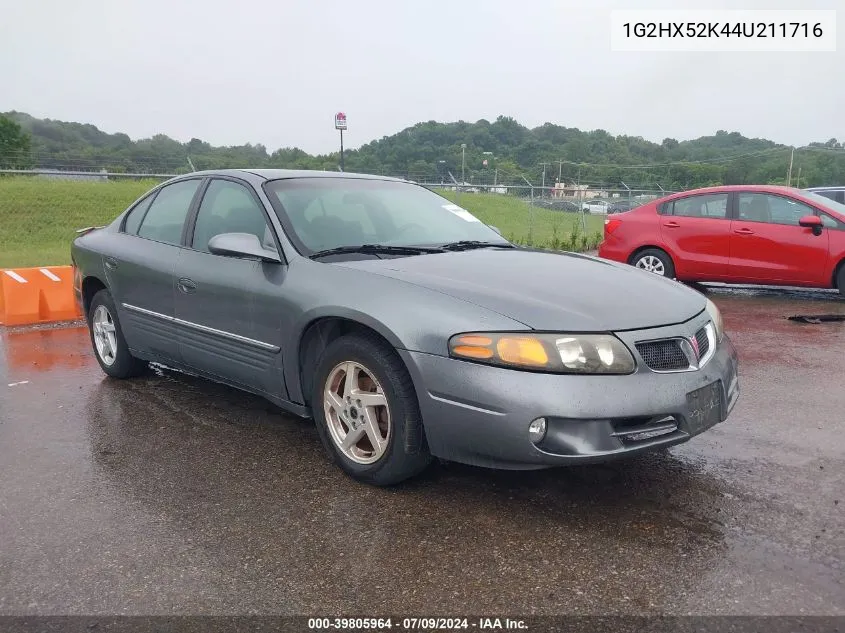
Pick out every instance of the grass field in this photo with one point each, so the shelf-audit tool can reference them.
(524, 224)
(38, 217)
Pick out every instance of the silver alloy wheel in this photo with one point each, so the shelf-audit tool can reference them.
(105, 339)
(357, 412)
(651, 264)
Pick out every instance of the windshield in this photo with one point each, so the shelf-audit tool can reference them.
(325, 213)
(824, 201)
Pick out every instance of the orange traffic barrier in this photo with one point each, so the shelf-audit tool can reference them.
(37, 295)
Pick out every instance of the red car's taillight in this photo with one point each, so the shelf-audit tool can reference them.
(610, 225)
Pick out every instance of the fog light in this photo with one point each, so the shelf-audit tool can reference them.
(537, 430)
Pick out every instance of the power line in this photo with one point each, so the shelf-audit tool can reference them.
(681, 162)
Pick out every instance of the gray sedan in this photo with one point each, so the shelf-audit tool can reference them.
(403, 325)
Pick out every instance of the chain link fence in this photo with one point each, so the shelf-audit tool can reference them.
(561, 216)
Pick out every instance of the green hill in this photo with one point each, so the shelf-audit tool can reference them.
(431, 151)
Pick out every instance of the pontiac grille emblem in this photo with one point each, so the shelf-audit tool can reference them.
(694, 342)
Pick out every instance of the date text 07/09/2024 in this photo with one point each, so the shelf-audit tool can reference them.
(410, 624)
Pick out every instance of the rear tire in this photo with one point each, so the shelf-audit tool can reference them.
(107, 339)
(384, 417)
(654, 260)
(840, 279)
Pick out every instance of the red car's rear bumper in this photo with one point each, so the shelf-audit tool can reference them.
(613, 250)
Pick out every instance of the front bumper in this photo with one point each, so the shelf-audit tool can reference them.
(478, 414)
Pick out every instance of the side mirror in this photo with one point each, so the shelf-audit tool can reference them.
(495, 228)
(812, 222)
(243, 245)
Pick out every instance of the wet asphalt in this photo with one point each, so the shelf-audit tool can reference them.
(168, 494)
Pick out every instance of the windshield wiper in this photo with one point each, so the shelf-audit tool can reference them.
(376, 249)
(468, 244)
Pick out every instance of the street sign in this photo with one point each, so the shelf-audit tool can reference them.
(340, 121)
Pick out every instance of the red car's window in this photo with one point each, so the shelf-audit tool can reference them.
(831, 222)
(710, 205)
(772, 209)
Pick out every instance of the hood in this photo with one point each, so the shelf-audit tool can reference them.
(547, 291)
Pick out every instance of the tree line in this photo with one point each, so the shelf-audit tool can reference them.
(432, 151)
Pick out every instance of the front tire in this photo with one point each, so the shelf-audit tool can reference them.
(655, 261)
(107, 339)
(366, 411)
(840, 280)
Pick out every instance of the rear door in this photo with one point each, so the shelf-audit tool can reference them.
(769, 246)
(228, 307)
(697, 229)
(139, 268)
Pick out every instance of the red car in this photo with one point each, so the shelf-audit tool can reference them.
(744, 234)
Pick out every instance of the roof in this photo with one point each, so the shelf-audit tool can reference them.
(727, 188)
(277, 174)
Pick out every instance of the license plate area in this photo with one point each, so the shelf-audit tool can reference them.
(704, 408)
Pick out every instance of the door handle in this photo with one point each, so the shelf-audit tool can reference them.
(671, 225)
(111, 263)
(186, 285)
(743, 231)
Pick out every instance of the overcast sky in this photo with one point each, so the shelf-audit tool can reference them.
(276, 71)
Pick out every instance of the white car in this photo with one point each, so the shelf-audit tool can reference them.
(596, 206)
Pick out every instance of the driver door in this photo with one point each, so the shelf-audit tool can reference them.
(768, 244)
(228, 326)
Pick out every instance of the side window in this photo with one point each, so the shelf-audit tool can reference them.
(710, 205)
(134, 217)
(831, 222)
(764, 207)
(228, 207)
(166, 217)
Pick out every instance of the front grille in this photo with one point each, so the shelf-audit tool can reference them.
(665, 355)
(703, 342)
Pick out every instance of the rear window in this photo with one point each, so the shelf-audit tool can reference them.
(706, 205)
(166, 217)
(134, 217)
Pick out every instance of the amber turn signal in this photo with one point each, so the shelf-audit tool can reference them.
(522, 351)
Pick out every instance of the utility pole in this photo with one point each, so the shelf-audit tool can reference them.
(789, 171)
(463, 162)
(530, 213)
(798, 179)
(486, 166)
(559, 170)
(544, 174)
(543, 185)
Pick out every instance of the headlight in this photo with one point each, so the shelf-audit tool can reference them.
(716, 317)
(557, 353)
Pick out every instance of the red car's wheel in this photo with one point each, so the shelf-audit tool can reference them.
(655, 261)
